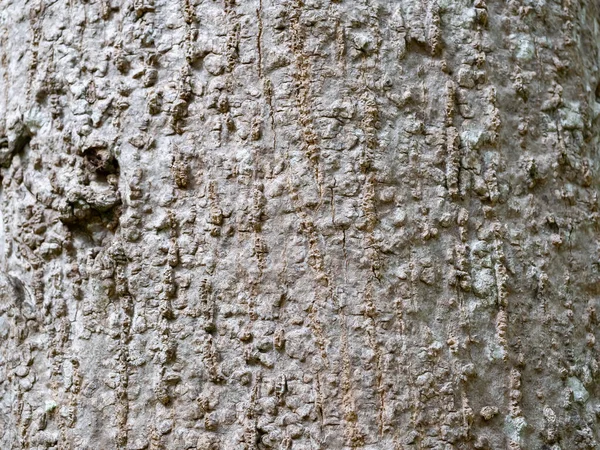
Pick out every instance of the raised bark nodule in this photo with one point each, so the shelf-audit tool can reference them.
(299, 224)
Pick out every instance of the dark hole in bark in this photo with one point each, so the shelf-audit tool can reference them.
(552, 226)
(93, 223)
(8, 148)
(21, 141)
(415, 46)
(100, 161)
(19, 290)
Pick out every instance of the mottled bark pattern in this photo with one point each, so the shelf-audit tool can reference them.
(288, 224)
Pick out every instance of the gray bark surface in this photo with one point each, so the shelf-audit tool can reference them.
(265, 224)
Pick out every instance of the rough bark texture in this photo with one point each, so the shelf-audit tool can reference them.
(276, 224)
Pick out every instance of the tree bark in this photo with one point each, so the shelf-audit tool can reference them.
(288, 224)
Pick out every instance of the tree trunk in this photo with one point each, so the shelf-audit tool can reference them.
(288, 224)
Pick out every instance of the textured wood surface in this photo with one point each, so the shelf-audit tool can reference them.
(265, 224)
